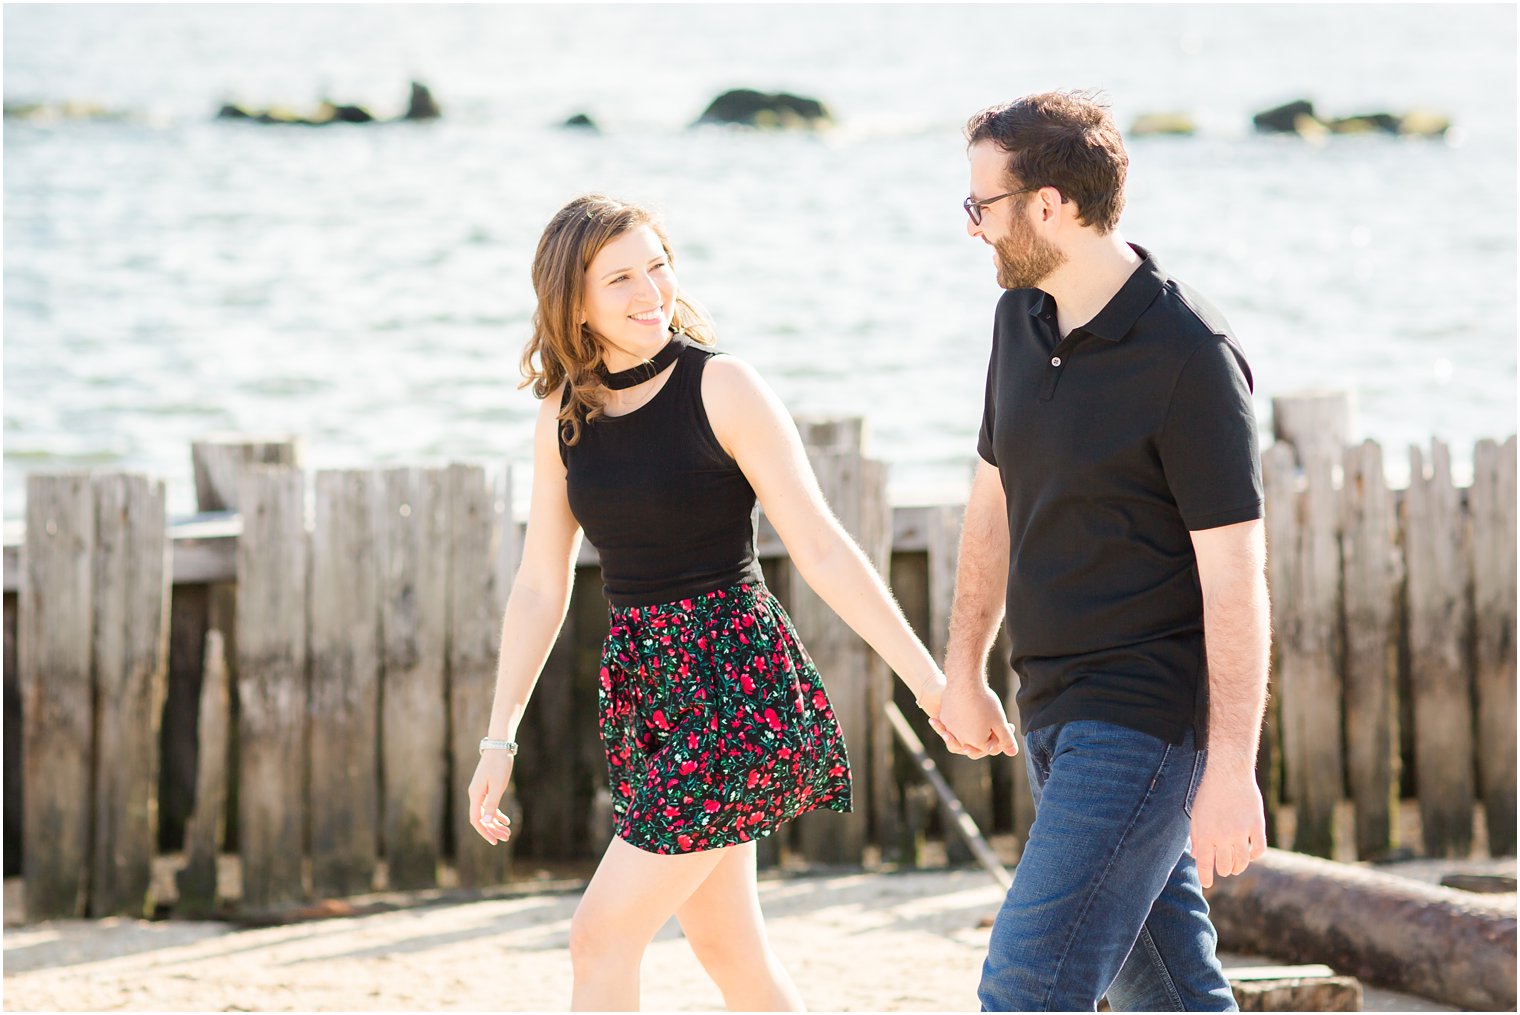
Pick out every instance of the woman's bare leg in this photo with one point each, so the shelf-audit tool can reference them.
(722, 920)
(630, 897)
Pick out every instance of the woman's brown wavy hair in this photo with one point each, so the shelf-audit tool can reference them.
(565, 349)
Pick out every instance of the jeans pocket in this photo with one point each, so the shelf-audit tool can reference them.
(1200, 760)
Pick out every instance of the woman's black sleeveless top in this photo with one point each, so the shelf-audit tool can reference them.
(669, 512)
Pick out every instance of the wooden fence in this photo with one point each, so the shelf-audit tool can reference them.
(305, 684)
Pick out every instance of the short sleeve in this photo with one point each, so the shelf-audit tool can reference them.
(1208, 442)
(984, 446)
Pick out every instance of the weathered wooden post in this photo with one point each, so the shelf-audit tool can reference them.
(56, 619)
(474, 597)
(206, 828)
(1439, 678)
(1492, 506)
(876, 540)
(834, 448)
(1003, 675)
(200, 757)
(131, 648)
(345, 683)
(1372, 575)
(412, 534)
(1314, 421)
(909, 580)
(272, 561)
(970, 780)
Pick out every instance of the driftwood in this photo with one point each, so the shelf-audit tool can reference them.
(955, 817)
(1440, 943)
(1294, 988)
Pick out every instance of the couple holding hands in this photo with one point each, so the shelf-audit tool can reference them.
(1114, 525)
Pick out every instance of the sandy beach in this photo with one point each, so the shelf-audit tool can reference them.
(910, 941)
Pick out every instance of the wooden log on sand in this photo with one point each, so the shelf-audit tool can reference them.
(1294, 988)
(1440, 943)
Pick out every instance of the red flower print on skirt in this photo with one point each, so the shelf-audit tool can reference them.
(716, 724)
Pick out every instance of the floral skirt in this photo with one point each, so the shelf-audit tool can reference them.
(715, 721)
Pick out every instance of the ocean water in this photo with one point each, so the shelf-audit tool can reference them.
(167, 276)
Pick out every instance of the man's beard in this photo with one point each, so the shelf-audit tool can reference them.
(1024, 260)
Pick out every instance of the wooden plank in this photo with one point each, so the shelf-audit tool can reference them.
(1440, 681)
(345, 684)
(910, 584)
(1006, 681)
(1280, 486)
(205, 831)
(1372, 571)
(131, 650)
(189, 607)
(875, 775)
(53, 643)
(971, 780)
(272, 685)
(474, 624)
(1314, 421)
(1312, 693)
(15, 758)
(591, 816)
(834, 454)
(1492, 505)
(205, 552)
(217, 460)
(412, 534)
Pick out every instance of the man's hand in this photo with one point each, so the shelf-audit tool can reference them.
(971, 721)
(1229, 824)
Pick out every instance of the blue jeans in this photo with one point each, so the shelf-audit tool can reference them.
(1106, 898)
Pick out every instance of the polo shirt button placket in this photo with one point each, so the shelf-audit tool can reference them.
(1053, 374)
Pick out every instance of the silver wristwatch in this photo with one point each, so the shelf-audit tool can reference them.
(492, 744)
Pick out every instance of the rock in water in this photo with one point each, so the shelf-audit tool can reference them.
(421, 105)
(1154, 124)
(759, 109)
(1285, 119)
(1424, 123)
(580, 121)
(1365, 123)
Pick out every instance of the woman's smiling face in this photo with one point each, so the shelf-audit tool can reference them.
(630, 296)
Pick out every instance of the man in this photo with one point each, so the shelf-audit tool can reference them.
(1118, 511)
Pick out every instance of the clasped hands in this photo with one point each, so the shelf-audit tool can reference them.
(970, 720)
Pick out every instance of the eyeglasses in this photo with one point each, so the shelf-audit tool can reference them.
(974, 207)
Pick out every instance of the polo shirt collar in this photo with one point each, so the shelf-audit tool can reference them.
(1121, 312)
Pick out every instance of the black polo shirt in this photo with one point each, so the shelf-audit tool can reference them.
(1112, 445)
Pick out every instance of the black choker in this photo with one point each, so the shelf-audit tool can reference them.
(647, 369)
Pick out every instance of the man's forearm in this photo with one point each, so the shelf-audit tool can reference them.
(981, 580)
(1237, 632)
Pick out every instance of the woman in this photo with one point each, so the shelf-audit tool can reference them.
(716, 725)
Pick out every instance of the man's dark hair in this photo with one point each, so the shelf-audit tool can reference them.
(1065, 140)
